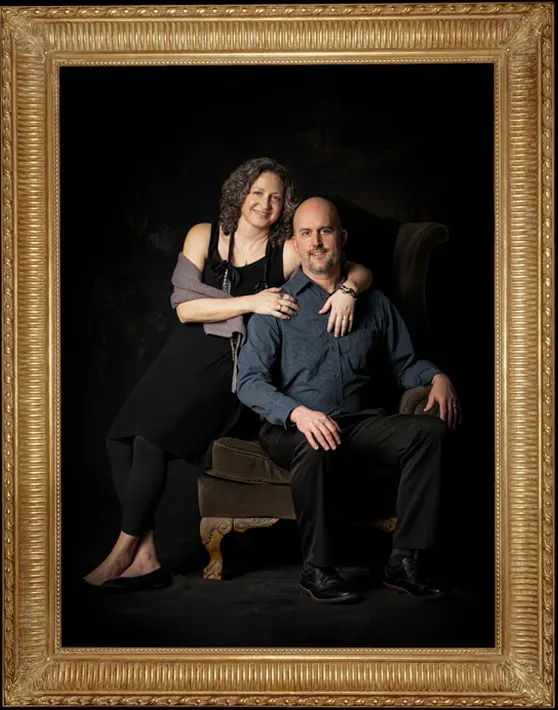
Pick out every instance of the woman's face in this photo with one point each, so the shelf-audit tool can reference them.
(263, 204)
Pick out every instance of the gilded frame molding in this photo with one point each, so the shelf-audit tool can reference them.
(517, 39)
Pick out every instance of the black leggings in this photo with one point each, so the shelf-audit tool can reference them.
(139, 470)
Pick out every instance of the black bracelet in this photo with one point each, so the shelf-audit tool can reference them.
(348, 290)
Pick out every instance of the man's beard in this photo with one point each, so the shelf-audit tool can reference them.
(325, 266)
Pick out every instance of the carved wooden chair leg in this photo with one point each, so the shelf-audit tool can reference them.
(383, 523)
(386, 525)
(212, 531)
(243, 524)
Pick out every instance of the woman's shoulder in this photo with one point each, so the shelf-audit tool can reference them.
(290, 258)
(196, 243)
(199, 231)
(197, 238)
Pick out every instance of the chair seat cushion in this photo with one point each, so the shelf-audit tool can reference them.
(218, 498)
(244, 461)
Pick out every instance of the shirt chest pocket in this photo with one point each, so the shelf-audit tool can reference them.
(357, 348)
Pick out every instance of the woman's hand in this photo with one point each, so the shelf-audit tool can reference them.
(272, 302)
(342, 306)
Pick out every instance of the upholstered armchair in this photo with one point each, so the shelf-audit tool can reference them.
(244, 489)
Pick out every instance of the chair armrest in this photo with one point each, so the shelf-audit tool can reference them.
(414, 401)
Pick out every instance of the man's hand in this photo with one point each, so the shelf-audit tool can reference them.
(317, 427)
(442, 392)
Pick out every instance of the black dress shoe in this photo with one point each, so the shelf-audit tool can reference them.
(154, 580)
(323, 584)
(406, 577)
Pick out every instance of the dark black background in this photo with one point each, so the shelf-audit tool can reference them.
(144, 152)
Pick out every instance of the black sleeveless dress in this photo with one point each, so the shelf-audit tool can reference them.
(184, 400)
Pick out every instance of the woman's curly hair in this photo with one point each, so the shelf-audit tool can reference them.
(237, 186)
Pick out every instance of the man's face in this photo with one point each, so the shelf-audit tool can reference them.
(318, 238)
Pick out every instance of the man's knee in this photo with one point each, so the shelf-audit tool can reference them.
(306, 458)
(431, 427)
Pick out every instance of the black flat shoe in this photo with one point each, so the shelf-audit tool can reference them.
(406, 578)
(158, 579)
(84, 586)
(325, 585)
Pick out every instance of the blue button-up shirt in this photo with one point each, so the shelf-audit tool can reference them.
(286, 363)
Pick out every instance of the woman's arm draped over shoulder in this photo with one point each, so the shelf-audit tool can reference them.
(207, 310)
(359, 278)
(212, 310)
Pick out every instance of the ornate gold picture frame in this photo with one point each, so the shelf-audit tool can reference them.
(517, 40)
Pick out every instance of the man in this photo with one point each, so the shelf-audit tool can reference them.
(319, 395)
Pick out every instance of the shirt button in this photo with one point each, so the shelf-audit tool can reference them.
(337, 376)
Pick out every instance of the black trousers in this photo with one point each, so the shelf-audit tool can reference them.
(139, 470)
(411, 442)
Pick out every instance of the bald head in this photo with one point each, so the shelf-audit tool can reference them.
(320, 206)
(318, 237)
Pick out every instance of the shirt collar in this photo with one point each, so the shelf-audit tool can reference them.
(299, 280)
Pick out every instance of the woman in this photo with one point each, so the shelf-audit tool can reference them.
(185, 399)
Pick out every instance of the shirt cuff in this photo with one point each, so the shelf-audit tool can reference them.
(428, 374)
(281, 410)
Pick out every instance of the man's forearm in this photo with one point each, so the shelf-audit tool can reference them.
(261, 396)
(257, 360)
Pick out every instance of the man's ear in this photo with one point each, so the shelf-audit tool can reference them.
(344, 235)
(295, 244)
